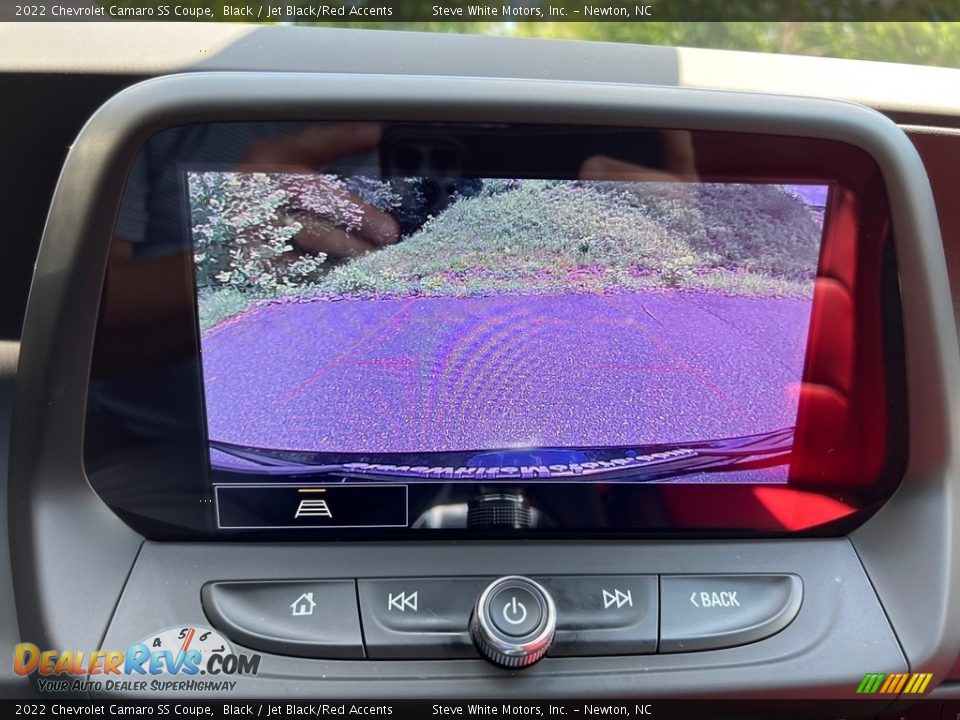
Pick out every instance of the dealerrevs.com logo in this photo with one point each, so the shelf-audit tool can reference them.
(184, 659)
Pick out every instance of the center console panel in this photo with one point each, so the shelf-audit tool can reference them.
(638, 585)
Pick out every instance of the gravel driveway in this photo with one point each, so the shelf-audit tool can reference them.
(443, 373)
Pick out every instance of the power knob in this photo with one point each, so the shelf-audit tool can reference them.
(513, 622)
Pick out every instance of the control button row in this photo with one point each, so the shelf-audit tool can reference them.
(429, 618)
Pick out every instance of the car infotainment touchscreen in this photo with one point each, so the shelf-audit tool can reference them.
(401, 327)
(542, 329)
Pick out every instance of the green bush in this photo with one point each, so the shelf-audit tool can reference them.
(244, 224)
(351, 278)
(243, 227)
(547, 236)
(216, 305)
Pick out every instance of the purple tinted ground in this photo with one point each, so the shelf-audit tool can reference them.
(422, 374)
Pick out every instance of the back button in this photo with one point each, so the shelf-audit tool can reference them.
(707, 612)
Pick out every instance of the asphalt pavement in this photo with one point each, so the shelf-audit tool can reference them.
(426, 374)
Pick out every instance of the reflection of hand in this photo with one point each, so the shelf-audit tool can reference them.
(303, 152)
(679, 163)
(147, 314)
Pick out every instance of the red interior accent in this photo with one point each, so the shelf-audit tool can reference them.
(765, 508)
(840, 440)
(841, 435)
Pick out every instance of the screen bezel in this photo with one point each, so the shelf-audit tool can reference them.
(52, 503)
(174, 476)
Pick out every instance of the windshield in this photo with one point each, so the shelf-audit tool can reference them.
(919, 43)
(898, 31)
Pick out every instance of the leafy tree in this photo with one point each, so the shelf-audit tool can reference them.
(244, 225)
(920, 43)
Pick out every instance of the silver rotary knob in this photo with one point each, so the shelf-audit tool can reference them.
(513, 622)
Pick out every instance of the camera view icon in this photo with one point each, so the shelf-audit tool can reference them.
(313, 508)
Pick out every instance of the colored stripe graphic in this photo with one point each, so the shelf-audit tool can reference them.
(901, 682)
(909, 687)
(918, 683)
(894, 683)
(870, 683)
(889, 682)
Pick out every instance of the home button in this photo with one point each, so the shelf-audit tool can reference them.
(317, 619)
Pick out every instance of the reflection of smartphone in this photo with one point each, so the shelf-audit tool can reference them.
(518, 151)
(407, 151)
(431, 165)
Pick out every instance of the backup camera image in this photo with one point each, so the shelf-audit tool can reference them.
(493, 329)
